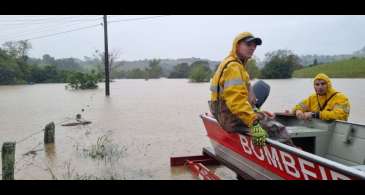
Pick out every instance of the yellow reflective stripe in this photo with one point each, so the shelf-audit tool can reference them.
(233, 82)
(345, 108)
(229, 83)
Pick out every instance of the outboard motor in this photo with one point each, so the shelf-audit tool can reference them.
(262, 91)
(275, 129)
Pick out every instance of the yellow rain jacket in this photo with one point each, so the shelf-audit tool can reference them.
(337, 107)
(230, 84)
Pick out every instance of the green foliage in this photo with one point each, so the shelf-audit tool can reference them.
(200, 73)
(252, 69)
(8, 68)
(280, 64)
(154, 70)
(78, 80)
(17, 68)
(136, 74)
(180, 71)
(349, 68)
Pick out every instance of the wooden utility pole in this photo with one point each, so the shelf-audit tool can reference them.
(106, 58)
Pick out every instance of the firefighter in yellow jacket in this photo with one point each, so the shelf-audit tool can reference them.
(325, 104)
(231, 94)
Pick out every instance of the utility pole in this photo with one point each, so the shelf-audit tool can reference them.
(106, 58)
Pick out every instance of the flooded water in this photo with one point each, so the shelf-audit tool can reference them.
(134, 132)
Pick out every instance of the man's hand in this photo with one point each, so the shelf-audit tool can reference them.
(299, 114)
(307, 115)
(259, 135)
(270, 115)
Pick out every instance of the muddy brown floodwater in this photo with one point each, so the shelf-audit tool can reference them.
(133, 133)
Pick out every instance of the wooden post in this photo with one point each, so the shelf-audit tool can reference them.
(8, 160)
(49, 131)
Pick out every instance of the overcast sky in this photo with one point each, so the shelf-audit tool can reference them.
(184, 36)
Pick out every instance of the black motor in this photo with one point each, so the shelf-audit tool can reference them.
(262, 91)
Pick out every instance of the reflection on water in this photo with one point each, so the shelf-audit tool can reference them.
(147, 121)
(50, 150)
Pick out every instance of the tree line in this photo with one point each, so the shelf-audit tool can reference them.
(16, 67)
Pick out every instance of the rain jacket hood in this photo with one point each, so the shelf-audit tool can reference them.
(330, 89)
(233, 52)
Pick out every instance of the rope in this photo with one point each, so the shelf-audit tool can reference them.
(29, 136)
(37, 132)
(26, 138)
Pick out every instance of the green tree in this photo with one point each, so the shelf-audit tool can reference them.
(180, 71)
(252, 69)
(280, 64)
(78, 80)
(136, 74)
(200, 73)
(47, 59)
(19, 51)
(315, 61)
(9, 69)
(154, 69)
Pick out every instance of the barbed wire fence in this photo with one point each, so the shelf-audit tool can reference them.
(33, 148)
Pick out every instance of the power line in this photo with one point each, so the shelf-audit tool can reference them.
(134, 19)
(24, 29)
(77, 29)
(44, 29)
(14, 20)
(92, 26)
(53, 20)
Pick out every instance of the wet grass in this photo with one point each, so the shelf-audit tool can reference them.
(71, 174)
(104, 149)
(349, 68)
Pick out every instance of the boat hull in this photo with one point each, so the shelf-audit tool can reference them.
(275, 160)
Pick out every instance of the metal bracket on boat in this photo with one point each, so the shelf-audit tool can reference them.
(350, 135)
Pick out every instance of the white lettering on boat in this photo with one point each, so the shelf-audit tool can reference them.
(323, 173)
(291, 165)
(303, 163)
(273, 158)
(261, 156)
(244, 143)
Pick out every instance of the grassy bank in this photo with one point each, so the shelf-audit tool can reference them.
(349, 68)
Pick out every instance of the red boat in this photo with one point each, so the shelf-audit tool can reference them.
(326, 151)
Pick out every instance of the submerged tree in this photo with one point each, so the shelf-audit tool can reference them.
(200, 73)
(80, 80)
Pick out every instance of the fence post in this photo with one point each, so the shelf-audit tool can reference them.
(49, 132)
(8, 160)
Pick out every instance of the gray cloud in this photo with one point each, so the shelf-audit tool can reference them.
(194, 36)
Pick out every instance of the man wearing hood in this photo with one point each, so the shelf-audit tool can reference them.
(231, 94)
(325, 104)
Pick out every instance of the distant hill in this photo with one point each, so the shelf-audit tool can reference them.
(89, 63)
(324, 59)
(348, 68)
(166, 64)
